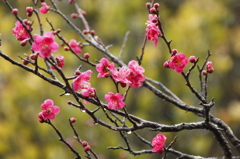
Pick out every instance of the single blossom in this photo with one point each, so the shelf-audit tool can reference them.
(136, 75)
(45, 44)
(152, 31)
(60, 61)
(115, 101)
(88, 92)
(82, 81)
(158, 143)
(104, 68)
(75, 46)
(48, 110)
(44, 9)
(121, 75)
(20, 32)
(178, 62)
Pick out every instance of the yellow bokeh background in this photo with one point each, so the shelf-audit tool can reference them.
(194, 28)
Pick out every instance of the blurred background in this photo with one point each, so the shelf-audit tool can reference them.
(194, 26)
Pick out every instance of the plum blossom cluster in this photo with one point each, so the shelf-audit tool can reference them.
(177, 62)
(82, 82)
(75, 46)
(48, 111)
(158, 143)
(152, 30)
(60, 61)
(132, 75)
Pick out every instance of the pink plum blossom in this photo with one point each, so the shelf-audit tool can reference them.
(136, 75)
(88, 92)
(121, 75)
(75, 46)
(20, 32)
(44, 9)
(178, 62)
(152, 31)
(82, 81)
(48, 110)
(115, 101)
(104, 67)
(158, 143)
(60, 61)
(45, 44)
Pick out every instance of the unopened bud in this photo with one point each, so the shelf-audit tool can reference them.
(84, 13)
(92, 32)
(174, 51)
(73, 120)
(87, 148)
(204, 72)
(24, 42)
(70, 102)
(148, 4)
(70, 1)
(15, 11)
(86, 55)
(57, 31)
(156, 5)
(29, 9)
(192, 59)
(74, 15)
(66, 48)
(33, 56)
(166, 64)
(153, 11)
(84, 143)
(25, 62)
(77, 72)
(86, 32)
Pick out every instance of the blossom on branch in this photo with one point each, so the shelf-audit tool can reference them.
(158, 143)
(44, 9)
(82, 81)
(48, 110)
(45, 44)
(121, 75)
(104, 67)
(152, 31)
(20, 32)
(75, 46)
(178, 62)
(136, 75)
(60, 61)
(115, 101)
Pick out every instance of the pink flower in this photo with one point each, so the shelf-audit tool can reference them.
(82, 81)
(20, 32)
(210, 68)
(136, 75)
(75, 46)
(88, 92)
(158, 143)
(45, 44)
(115, 101)
(121, 75)
(104, 67)
(152, 29)
(48, 110)
(60, 61)
(134, 66)
(178, 62)
(44, 9)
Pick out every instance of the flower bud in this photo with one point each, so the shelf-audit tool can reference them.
(74, 15)
(24, 42)
(73, 120)
(15, 11)
(166, 64)
(174, 52)
(77, 72)
(33, 56)
(25, 62)
(148, 4)
(29, 9)
(66, 48)
(87, 148)
(70, 1)
(84, 143)
(153, 11)
(85, 32)
(86, 55)
(192, 59)
(70, 102)
(92, 32)
(204, 72)
(156, 5)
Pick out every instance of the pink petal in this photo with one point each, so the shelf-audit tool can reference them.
(46, 104)
(55, 109)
